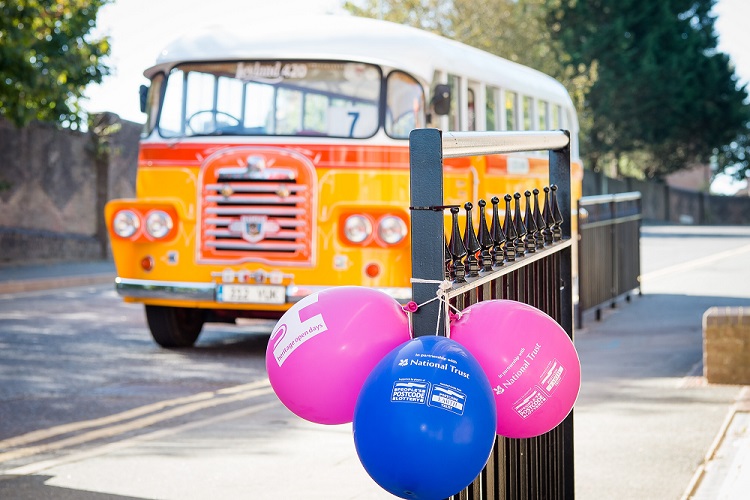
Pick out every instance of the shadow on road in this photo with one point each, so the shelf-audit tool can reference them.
(33, 488)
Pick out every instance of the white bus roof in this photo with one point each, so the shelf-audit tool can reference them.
(350, 38)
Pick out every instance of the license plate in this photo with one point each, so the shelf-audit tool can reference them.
(251, 294)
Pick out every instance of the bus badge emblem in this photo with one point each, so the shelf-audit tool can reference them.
(253, 228)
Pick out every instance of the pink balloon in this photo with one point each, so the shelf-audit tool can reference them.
(324, 347)
(531, 362)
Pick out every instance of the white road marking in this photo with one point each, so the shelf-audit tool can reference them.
(692, 264)
(120, 423)
(36, 467)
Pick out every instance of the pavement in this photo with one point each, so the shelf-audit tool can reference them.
(33, 277)
(642, 430)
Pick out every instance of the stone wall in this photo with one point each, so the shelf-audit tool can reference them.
(52, 191)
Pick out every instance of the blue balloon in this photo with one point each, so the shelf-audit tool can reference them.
(425, 419)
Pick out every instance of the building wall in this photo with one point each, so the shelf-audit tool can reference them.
(52, 191)
(697, 178)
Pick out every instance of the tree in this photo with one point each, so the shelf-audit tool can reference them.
(733, 159)
(663, 93)
(47, 58)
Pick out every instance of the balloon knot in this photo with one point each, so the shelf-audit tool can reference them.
(410, 306)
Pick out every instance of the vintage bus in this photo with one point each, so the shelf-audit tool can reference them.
(274, 162)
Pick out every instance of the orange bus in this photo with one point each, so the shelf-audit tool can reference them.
(274, 162)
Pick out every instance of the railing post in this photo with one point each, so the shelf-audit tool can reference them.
(559, 173)
(427, 234)
(615, 256)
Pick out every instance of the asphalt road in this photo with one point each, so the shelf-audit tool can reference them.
(90, 408)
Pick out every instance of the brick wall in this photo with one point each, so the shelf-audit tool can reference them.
(726, 345)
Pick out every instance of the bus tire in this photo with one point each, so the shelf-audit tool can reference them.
(174, 326)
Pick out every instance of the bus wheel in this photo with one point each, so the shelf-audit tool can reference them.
(174, 326)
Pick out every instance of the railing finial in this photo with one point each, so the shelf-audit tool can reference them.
(519, 226)
(549, 220)
(485, 238)
(457, 250)
(472, 244)
(539, 220)
(511, 237)
(530, 223)
(498, 236)
(447, 258)
(556, 215)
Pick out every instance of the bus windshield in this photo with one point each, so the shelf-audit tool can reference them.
(286, 98)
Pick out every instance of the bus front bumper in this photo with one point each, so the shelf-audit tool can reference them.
(207, 292)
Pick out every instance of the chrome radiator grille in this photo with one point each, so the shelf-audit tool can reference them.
(256, 211)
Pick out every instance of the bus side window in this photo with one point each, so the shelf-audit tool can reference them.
(472, 113)
(511, 109)
(405, 109)
(554, 117)
(492, 114)
(542, 106)
(528, 109)
(454, 120)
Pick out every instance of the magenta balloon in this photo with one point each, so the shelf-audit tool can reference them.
(530, 361)
(324, 347)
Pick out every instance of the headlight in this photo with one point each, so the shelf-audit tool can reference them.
(126, 223)
(391, 229)
(158, 224)
(357, 228)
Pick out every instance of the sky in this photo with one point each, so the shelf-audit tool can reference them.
(139, 29)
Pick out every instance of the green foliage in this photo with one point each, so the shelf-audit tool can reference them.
(102, 127)
(733, 159)
(47, 58)
(663, 93)
(653, 93)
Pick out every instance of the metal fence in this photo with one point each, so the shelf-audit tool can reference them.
(527, 257)
(609, 262)
(661, 202)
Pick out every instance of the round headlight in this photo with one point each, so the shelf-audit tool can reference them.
(357, 228)
(391, 229)
(125, 223)
(158, 224)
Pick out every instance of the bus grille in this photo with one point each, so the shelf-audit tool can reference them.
(257, 206)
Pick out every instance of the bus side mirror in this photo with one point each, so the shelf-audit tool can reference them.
(143, 93)
(441, 99)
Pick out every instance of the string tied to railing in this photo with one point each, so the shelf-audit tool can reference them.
(441, 295)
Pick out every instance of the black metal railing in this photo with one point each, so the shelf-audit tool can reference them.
(525, 255)
(609, 262)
